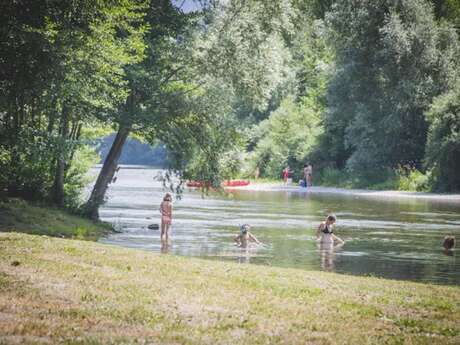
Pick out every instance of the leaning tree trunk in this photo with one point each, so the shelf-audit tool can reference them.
(58, 185)
(106, 174)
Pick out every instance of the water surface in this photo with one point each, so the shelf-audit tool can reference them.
(398, 238)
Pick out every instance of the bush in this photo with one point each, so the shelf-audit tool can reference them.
(331, 177)
(77, 177)
(26, 167)
(287, 137)
(410, 179)
(230, 164)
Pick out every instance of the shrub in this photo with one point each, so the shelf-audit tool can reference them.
(332, 177)
(411, 179)
(77, 177)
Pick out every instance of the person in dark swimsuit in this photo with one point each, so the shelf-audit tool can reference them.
(325, 232)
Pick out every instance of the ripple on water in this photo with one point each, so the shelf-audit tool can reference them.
(347, 253)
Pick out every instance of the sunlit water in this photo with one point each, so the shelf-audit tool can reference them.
(387, 238)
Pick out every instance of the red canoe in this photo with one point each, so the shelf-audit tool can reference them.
(231, 183)
(195, 184)
(235, 183)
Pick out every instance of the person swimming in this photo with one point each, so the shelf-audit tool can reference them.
(449, 242)
(245, 237)
(325, 232)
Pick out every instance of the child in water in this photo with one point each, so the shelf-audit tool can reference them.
(242, 240)
(325, 232)
(166, 216)
(449, 243)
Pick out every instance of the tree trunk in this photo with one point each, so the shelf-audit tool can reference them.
(58, 185)
(106, 175)
(74, 136)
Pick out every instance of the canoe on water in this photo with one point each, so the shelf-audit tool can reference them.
(228, 183)
(235, 183)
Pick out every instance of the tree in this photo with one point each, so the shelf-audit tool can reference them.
(60, 67)
(392, 59)
(152, 83)
(232, 45)
(443, 146)
(290, 135)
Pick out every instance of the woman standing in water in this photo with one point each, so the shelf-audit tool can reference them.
(166, 216)
(326, 240)
(325, 232)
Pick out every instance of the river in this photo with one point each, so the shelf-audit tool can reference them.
(399, 239)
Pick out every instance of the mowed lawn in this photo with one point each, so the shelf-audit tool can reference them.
(68, 291)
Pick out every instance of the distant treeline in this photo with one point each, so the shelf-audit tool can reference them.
(134, 152)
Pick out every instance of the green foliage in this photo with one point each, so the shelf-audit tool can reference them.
(404, 178)
(230, 164)
(290, 135)
(410, 179)
(392, 59)
(200, 143)
(77, 177)
(286, 137)
(61, 68)
(27, 161)
(345, 85)
(244, 46)
(331, 177)
(21, 216)
(443, 147)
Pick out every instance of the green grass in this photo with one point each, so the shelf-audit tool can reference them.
(79, 292)
(18, 215)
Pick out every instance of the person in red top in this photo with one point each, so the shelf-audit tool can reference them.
(166, 216)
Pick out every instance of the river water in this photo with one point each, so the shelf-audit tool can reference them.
(391, 238)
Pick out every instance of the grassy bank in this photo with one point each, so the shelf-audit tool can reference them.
(67, 291)
(18, 215)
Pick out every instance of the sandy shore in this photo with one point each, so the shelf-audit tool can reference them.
(381, 194)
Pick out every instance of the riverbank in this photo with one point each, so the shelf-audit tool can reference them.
(67, 291)
(21, 216)
(382, 194)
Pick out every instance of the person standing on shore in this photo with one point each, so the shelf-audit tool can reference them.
(305, 175)
(309, 177)
(166, 216)
(256, 173)
(286, 174)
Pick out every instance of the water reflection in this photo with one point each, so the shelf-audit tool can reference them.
(165, 246)
(327, 253)
(244, 256)
(389, 238)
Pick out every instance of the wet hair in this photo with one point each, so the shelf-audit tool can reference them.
(167, 197)
(331, 218)
(244, 228)
(449, 242)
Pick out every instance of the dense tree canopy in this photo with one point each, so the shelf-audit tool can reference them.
(363, 87)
